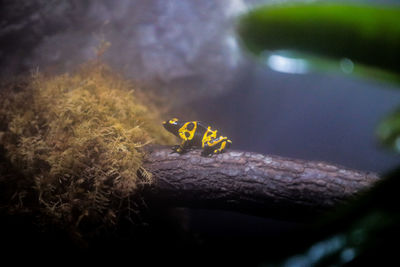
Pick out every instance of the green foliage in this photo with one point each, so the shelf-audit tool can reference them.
(77, 139)
(366, 34)
(363, 233)
(331, 36)
(366, 231)
(389, 131)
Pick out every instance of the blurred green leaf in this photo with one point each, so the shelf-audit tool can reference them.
(365, 232)
(388, 131)
(345, 33)
(364, 238)
(360, 39)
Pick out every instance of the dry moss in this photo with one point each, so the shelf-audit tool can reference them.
(77, 139)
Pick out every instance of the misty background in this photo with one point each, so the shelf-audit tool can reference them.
(188, 52)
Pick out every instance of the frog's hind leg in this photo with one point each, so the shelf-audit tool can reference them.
(224, 144)
(211, 146)
(207, 151)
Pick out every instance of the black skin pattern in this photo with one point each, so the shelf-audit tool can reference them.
(216, 145)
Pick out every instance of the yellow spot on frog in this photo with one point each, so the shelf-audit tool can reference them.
(208, 136)
(173, 121)
(185, 133)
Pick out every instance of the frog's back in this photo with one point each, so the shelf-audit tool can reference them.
(198, 136)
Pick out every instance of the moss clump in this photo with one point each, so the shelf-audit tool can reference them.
(76, 139)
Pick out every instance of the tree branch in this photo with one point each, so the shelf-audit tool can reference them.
(251, 183)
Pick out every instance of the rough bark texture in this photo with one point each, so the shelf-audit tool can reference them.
(251, 183)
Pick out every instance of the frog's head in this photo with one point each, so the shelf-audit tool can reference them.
(173, 125)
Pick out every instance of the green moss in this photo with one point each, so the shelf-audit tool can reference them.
(77, 139)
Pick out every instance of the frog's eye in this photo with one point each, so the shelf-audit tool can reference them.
(173, 121)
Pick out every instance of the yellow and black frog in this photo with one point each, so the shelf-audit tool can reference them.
(195, 134)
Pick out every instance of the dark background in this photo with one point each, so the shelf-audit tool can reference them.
(187, 50)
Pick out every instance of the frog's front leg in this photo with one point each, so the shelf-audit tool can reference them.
(182, 148)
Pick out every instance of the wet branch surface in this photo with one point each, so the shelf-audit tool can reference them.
(251, 183)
